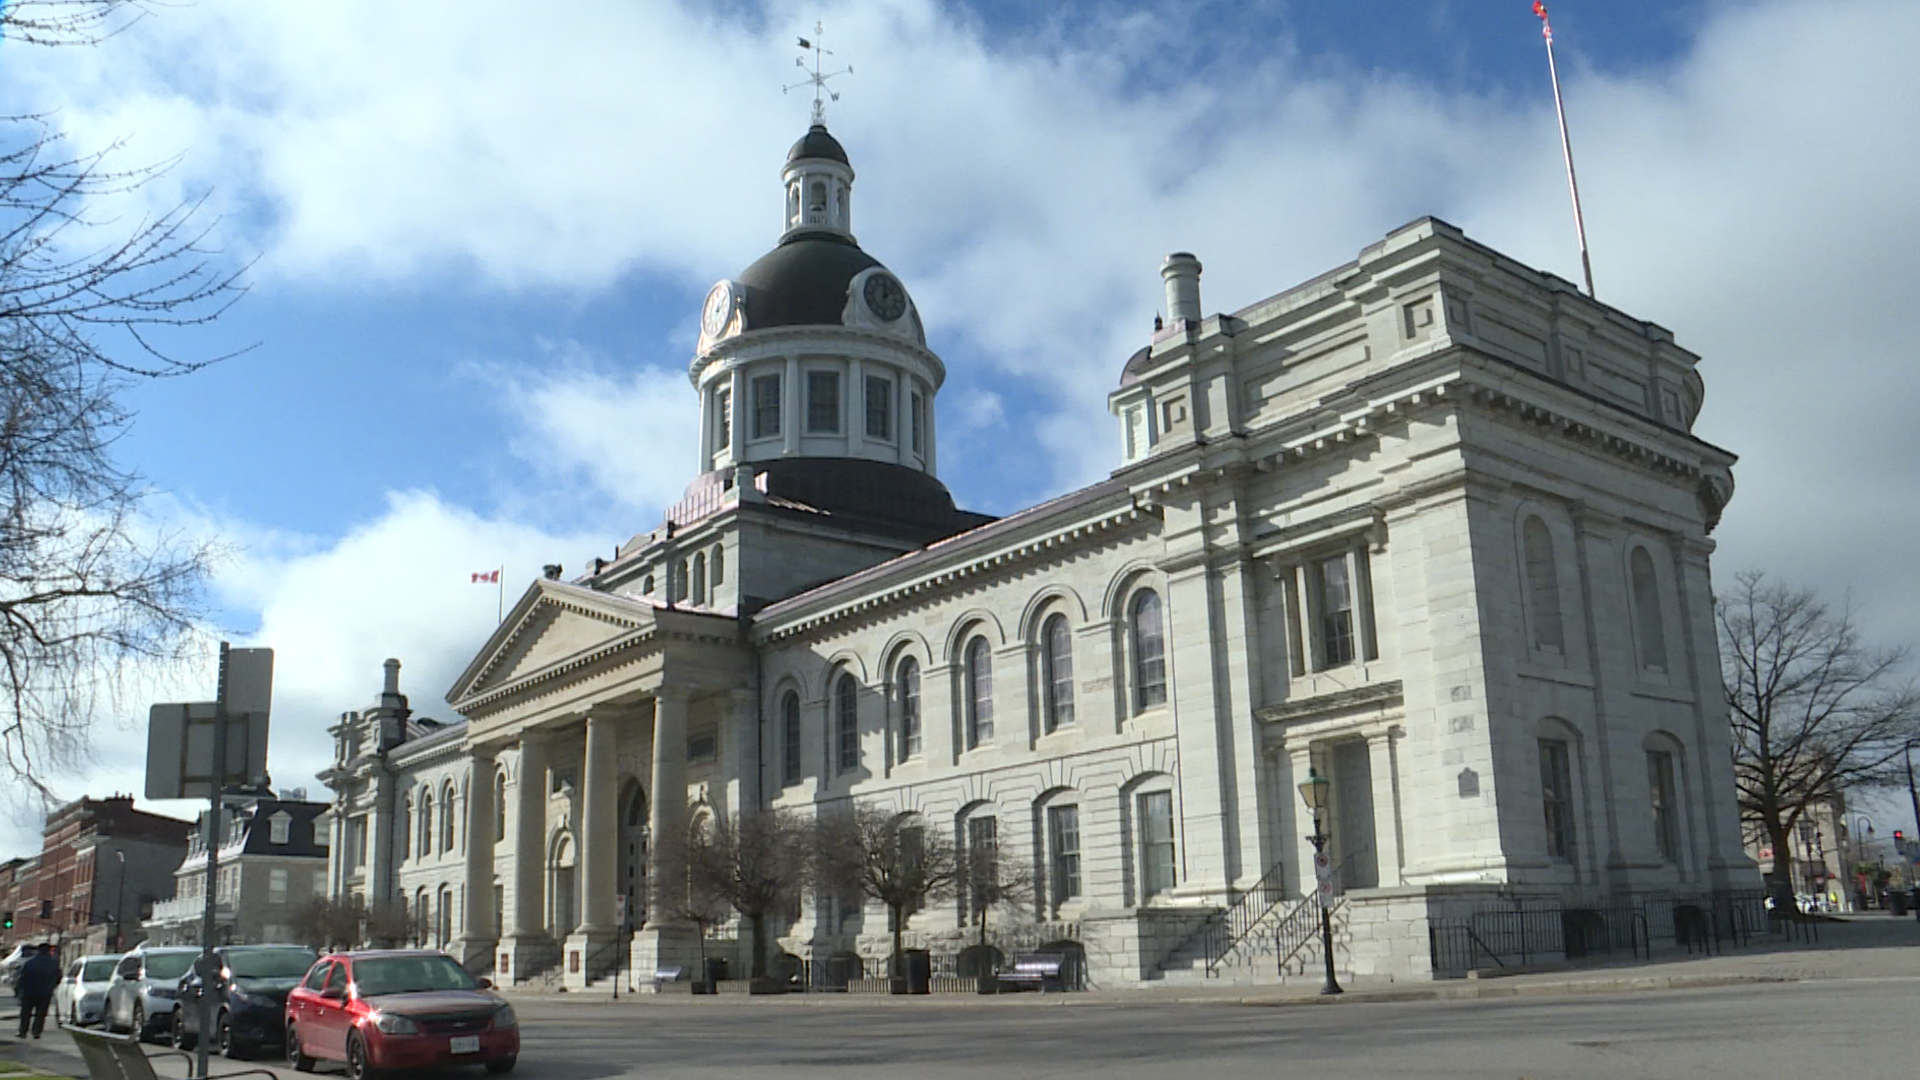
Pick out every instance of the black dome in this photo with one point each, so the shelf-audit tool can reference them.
(816, 143)
(804, 281)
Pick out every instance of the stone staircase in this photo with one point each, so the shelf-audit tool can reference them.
(1278, 945)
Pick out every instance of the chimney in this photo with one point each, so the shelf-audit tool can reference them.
(392, 685)
(1181, 272)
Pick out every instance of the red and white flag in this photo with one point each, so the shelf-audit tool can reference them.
(487, 577)
(1546, 24)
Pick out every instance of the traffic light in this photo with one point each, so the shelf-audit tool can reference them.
(1899, 845)
(7, 922)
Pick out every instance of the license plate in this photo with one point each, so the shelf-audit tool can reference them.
(464, 1044)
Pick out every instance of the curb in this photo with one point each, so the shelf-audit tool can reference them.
(1480, 992)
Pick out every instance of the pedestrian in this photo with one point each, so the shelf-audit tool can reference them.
(35, 985)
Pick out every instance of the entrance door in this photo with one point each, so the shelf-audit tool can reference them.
(565, 914)
(633, 852)
(1355, 854)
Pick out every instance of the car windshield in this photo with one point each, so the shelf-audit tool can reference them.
(98, 970)
(269, 963)
(169, 965)
(408, 975)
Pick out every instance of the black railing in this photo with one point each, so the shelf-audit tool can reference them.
(1539, 929)
(1224, 932)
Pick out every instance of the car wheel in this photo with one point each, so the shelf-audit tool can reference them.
(229, 1047)
(139, 1027)
(297, 1059)
(359, 1064)
(177, 1033)
(501, 1065)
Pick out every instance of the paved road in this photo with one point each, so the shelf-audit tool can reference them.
(1850, 1027)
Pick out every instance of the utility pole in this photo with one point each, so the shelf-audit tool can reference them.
(209, 969)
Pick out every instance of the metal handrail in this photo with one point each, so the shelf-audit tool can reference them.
(1300, 927)
(1224, 932)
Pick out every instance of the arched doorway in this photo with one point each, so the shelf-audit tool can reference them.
(564, 915)
(633, 851)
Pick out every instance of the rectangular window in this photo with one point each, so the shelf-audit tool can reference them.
(722, 420)
(790, 739)
(1336, 612)
(320, 831)
(499, 911)
(1156, 843)
(319, 883)
(281, 825)
(1063, 842)
(276, 886)
(823, 402)
(703, 745)
(918, 408)
(879, 408)
(909, 710)
(766, 406)
(1556, 797)
(1660, 788)
(983, 862)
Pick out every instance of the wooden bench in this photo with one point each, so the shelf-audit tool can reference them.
(121, 1057)
(1037, 971)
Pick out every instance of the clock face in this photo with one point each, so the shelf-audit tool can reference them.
(718, 310)
(885, 298)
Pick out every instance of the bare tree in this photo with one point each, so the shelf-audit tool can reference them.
(899, 861)
(1816, 711)
(387, 924)
(757, 861)
(991, 882)
(324, 924)
(689, 868)
(88, 590)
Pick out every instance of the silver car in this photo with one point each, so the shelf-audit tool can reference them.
(140, 998)
(82, 993)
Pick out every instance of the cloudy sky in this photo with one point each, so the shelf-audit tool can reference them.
(479, 232)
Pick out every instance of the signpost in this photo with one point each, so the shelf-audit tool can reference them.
(619, 920)
(202, 749)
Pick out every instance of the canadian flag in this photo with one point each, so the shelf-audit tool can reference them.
(487, 577)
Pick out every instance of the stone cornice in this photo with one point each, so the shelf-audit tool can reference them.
(1340, 701)
(774, 337)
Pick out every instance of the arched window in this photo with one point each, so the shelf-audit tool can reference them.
(790, 738)
(1646, 611)
(446, 818)
(421, 916)
(1056, 675)
(1149, 651)
(1543, 586)
(979, 693)
(846, 722)
(406, 831)
(426, 822)
(699, 589)
(816, 201)
(908, 687)
(719, 565)
(446, 916)
(499, 806)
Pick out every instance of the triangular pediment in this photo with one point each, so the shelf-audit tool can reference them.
(553, 625)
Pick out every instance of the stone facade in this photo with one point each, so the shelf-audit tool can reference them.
(272, 862)
(1431, 525)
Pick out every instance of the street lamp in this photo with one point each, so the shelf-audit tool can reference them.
(1313, 791)
(120, 904)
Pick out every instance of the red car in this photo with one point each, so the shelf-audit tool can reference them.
(395, 1009)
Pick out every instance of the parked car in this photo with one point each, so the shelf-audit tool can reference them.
(140, 999)
(82, 992)
(398, 1009)
(250, 998)
(10, 966)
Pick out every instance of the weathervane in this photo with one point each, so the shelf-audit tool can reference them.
(817, 78)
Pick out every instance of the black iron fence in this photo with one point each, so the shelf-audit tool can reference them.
(1521, 931)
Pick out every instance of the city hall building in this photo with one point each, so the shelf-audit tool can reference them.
(1431, 526)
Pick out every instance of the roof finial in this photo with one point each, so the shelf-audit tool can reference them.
(817, 78)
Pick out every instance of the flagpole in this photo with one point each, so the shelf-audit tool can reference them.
(1566, 146)
(500, 604)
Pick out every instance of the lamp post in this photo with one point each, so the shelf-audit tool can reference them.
(120, 904)
(1313, 791)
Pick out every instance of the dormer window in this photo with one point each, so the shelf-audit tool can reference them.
(281, 825)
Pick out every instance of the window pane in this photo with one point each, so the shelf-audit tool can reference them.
(766, 406)
(1543, 587)
(790, 738)
(722, 420)
(823, 401)
(1661, 792)
(979, 694)
(879, 407)
(847, 722)
(1063, 837)
(1646, 611)
(1336, 613)
(919, 407)
(1156, 842)
(909, 708)
(1556, 782)
(1149, 652)
(1057, 660)
(983, 862)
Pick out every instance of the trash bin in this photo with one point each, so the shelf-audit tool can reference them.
(919, 971)
(1898, 901)
(716, 969)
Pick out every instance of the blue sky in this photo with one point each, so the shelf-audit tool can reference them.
(479, 243)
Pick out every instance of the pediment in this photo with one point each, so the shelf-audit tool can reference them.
(552, 625)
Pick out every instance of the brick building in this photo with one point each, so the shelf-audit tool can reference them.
(98, 859)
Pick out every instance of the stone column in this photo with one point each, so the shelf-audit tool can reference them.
(665, 942)
(1383, 764)
(527, 949)
(477, 938)
(599, 824)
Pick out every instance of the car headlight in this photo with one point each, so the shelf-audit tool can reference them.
(395, 1024)
(504, 1018)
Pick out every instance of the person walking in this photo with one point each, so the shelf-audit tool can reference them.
(35, 985)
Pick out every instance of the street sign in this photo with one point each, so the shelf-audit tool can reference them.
(619, 909)
(181, 737)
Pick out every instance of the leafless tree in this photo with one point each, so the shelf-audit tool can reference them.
(757, 861)
(989, 882)
(324, 924)
(387, 924)
(900, 861)
(689, 868)
(89, 590)
(1816, 711)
